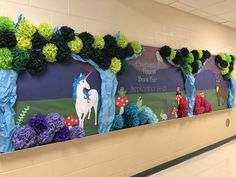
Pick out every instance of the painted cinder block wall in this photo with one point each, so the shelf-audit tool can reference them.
(126, 152)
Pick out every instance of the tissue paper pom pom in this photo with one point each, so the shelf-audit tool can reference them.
(221, 63)
(62, 135)
(77, 132)
(165, 51)
(38, 123)
(5, 58)
(20, 59)
(45, 30)
(115, 65)
(136, 47)
(131, 121)
(195, 54)
(131, 110)
(24, 137)
(55, 121)
(129, 51)
(145, 115)
(224, 71)
(222, 55)
(37, 63)
(23, 43)
(183, 103)
(75, 45)
(232, 58)
(190, 58)
(231, 66)
(188, 69)
(25, 29)
(98, 42)
(120, 53)
(184, 52)
(231, 74)
(178, 58)
(87, 38)
(124, 67)
(118, 122)
(7, 39)
(206, 54)
(45, 137)
(6, 24)
(67, 33)
(38, 41)
(50, 52)
(86, 52)
(172, 54)
(228, 58)
(122, 41)
(200, 53)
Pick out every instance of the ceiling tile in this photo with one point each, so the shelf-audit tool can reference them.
(218, 19)
(201, 13)
(230, 24)
(220, 8)
(165, 1)
(200, 3)
(182, 6)
(230, 16)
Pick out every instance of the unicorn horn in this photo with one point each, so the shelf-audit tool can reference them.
(87, 75)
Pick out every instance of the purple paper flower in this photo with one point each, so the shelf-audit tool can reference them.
(24, 137)
(38, 123)
(45, 137)
(62, 135)
(55, 121)
(77, 132)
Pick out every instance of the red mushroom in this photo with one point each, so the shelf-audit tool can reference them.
(122, 100)
(71, 121)
(174, 112)
(178, 97)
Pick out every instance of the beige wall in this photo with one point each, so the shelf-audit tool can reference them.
(129, 151)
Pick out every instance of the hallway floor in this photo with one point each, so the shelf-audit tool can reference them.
(220, 162)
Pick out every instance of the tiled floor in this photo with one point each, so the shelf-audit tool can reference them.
(220, 162)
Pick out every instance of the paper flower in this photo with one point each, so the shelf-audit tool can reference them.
(62, 135)
(172, 54)
(200, 53)
(115, 65)
(67, 33)
(45, 30)
(75, 45)
(165, 51)
(136, 47)
(99, 42)
(25, 30)
(5, 58)
(45, 137)
(38, 123)
(77, 132)
(122, 41)
(24, 137)
(118, 122)
(50, 52)
(23, 43)
(188, 69)
(7, 24)
(190, 58)
(38, 41)
(7, 39)
(54, 121)
(37, 63)
(222, 55)
(20, 59)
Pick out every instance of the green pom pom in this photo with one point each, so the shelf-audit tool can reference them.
(222, 55)
(20, 59)
(231, 74)
(199, 62)
(172, 54)
(188, 69)
(7, 24)
(137, 47)
(23, 43)
(50, 52)
(122, 41)
(228, 58)
(45, 30)
(5, 58)
(224, 71)
(190, 58)
(25, 29)
(115, 65)
(75, 45)
(200, 53)
(98, 42)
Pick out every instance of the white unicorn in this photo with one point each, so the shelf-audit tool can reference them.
(85, 99)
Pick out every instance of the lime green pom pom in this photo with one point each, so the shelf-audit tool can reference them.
(20, 59)
(25, 29)
(199, 62)
(200, 53)
(190, 58)
(98, 42)
(222, 55)
(122, 41)
(115, 65)
(172, 54)
(5, 58)
(75, 45)
(224, 71)
(136, 47)
(188, 69)
(45, 30)
(228, 58)
(6, 24)
(50, 52)
(23, 43)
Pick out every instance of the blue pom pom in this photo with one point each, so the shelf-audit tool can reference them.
(131, 110)
(118, 122)
(131, 121)
(144, 116)
(152, 118)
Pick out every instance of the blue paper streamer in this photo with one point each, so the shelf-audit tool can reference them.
(232, 87)
(7, 100)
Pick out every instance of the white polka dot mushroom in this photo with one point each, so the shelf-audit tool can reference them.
(122, 100)
(71, 121)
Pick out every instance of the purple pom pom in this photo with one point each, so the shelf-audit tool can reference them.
(62, 135)
(46, 137)
(77, 132)
(55, 121)
(24, 137)
(38, 123)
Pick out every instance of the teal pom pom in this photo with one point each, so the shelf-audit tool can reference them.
(130, 121)
(118, 122)
(131, 110)
(20, 59)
